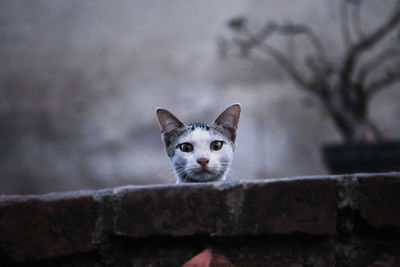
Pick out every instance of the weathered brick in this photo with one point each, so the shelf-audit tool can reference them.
(249, 222)
(284, 206)
(305, 205)
(175, 210)
(380, 200)
(33, 228)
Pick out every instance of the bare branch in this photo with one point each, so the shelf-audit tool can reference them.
(248, 39)
(257, 40)
(279, 58)
(376, 62)
(306, 31)
(344, 88)
(239, 25)
(382, 83)
(363, 45)
(268, 29)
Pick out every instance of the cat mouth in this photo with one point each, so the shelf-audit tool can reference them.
(202, 175)
(202, 171)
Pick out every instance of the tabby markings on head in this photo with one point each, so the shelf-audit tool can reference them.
(200, 151)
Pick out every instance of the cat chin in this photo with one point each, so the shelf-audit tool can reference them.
(204, 176)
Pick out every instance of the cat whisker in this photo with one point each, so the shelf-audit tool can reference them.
(238, 174)
(241, 164)
(234, 171)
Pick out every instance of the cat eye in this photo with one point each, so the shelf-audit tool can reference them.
(216, 145)
(185, 147)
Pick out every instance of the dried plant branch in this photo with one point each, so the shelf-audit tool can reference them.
(294, 29)
(344, 89)
(248, 39)
(271, 28)
(353, 54)
(281, 59)
(257, 40)
(380, 59)
(382, 83)
(268, 29)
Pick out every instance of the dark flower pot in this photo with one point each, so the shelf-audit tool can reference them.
(352, 158)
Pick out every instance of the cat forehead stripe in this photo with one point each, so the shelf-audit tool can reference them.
(199, 125)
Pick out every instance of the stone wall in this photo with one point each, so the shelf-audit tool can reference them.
(351, 220)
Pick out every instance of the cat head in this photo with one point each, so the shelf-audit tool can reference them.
(200, 151)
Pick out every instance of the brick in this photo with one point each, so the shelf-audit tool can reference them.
(284, 206)
(174, 210)
(249, 222)
(379, 198)
(279, 206)
(39, 227)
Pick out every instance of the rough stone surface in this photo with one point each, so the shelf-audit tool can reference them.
(289, 206)
(380, 201)
(279, 206)
(169, 210)
(350, 220)
(33, 228)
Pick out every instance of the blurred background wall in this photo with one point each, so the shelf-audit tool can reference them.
(80, 81)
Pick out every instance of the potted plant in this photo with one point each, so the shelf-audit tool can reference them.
(345, 86)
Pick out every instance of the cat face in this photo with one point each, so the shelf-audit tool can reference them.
(200, 152)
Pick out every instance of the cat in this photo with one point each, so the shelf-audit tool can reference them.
(200, 151)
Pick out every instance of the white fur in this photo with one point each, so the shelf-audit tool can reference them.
(201, 140)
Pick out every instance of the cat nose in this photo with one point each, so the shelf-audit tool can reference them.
(202, 161)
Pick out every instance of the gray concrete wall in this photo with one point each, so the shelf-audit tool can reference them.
(79, 83)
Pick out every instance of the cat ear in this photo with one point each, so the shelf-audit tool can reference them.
(169, 124)
(229, 120)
